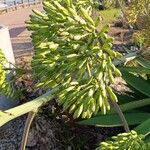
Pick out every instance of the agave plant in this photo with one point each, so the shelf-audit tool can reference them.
(74, 55)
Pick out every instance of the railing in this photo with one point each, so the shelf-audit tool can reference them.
(17, 4)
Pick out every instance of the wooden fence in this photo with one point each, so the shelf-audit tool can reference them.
(14, 5)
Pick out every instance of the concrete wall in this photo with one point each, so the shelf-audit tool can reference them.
(5, 44)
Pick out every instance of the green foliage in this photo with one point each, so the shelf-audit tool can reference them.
(137, 82)
(144, 63)
(144, 128)
(138, 69)
(125, 141)
(139, 38)
(138, 78)
(138, 14)
(71, 53)
(107, 4)
(113, 120)
(137, 9)
(109, 15)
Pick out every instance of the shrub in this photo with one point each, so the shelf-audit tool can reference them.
(138, 14)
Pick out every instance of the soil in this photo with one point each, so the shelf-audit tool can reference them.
(53, 132)
(53, 129)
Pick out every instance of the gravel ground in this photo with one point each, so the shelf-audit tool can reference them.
(53, 132)
(11, 133)
(41, 136)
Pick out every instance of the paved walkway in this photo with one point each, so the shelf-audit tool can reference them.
(20, 37)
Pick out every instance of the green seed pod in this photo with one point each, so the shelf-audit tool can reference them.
(96, 108)
(68, 2)
(72, 109)
(118, 55)
(117, 72)
(72, 12)
(86, 103)
(92, 105)
(106, 103)
(100, 99)
(104, 65)
(110, 52)
(78, 112)
(89, 114)
(103, 109)
(69, 102)
(61, 8)
(111, 94)
(91, 92)
(110, 76)
(87, 16)
(49, 5)
(38, 13)
(84, 114)
(82, 64)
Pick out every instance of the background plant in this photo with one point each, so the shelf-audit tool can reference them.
(6, 82)
(107, 4)
(138, 15)
(136, 10)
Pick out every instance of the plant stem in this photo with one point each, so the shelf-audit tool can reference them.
(6, 116)
(28, 123)
(121, 115)
(132, 105)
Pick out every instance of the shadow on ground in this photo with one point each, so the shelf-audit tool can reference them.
(14, 32)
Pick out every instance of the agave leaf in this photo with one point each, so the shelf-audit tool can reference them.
(135, 69)
(143, 62)
(126, 98)
(144, 128)
(113, 120)
(137, 82)
(147, 139)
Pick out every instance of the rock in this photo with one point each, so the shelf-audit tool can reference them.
(6, 103)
